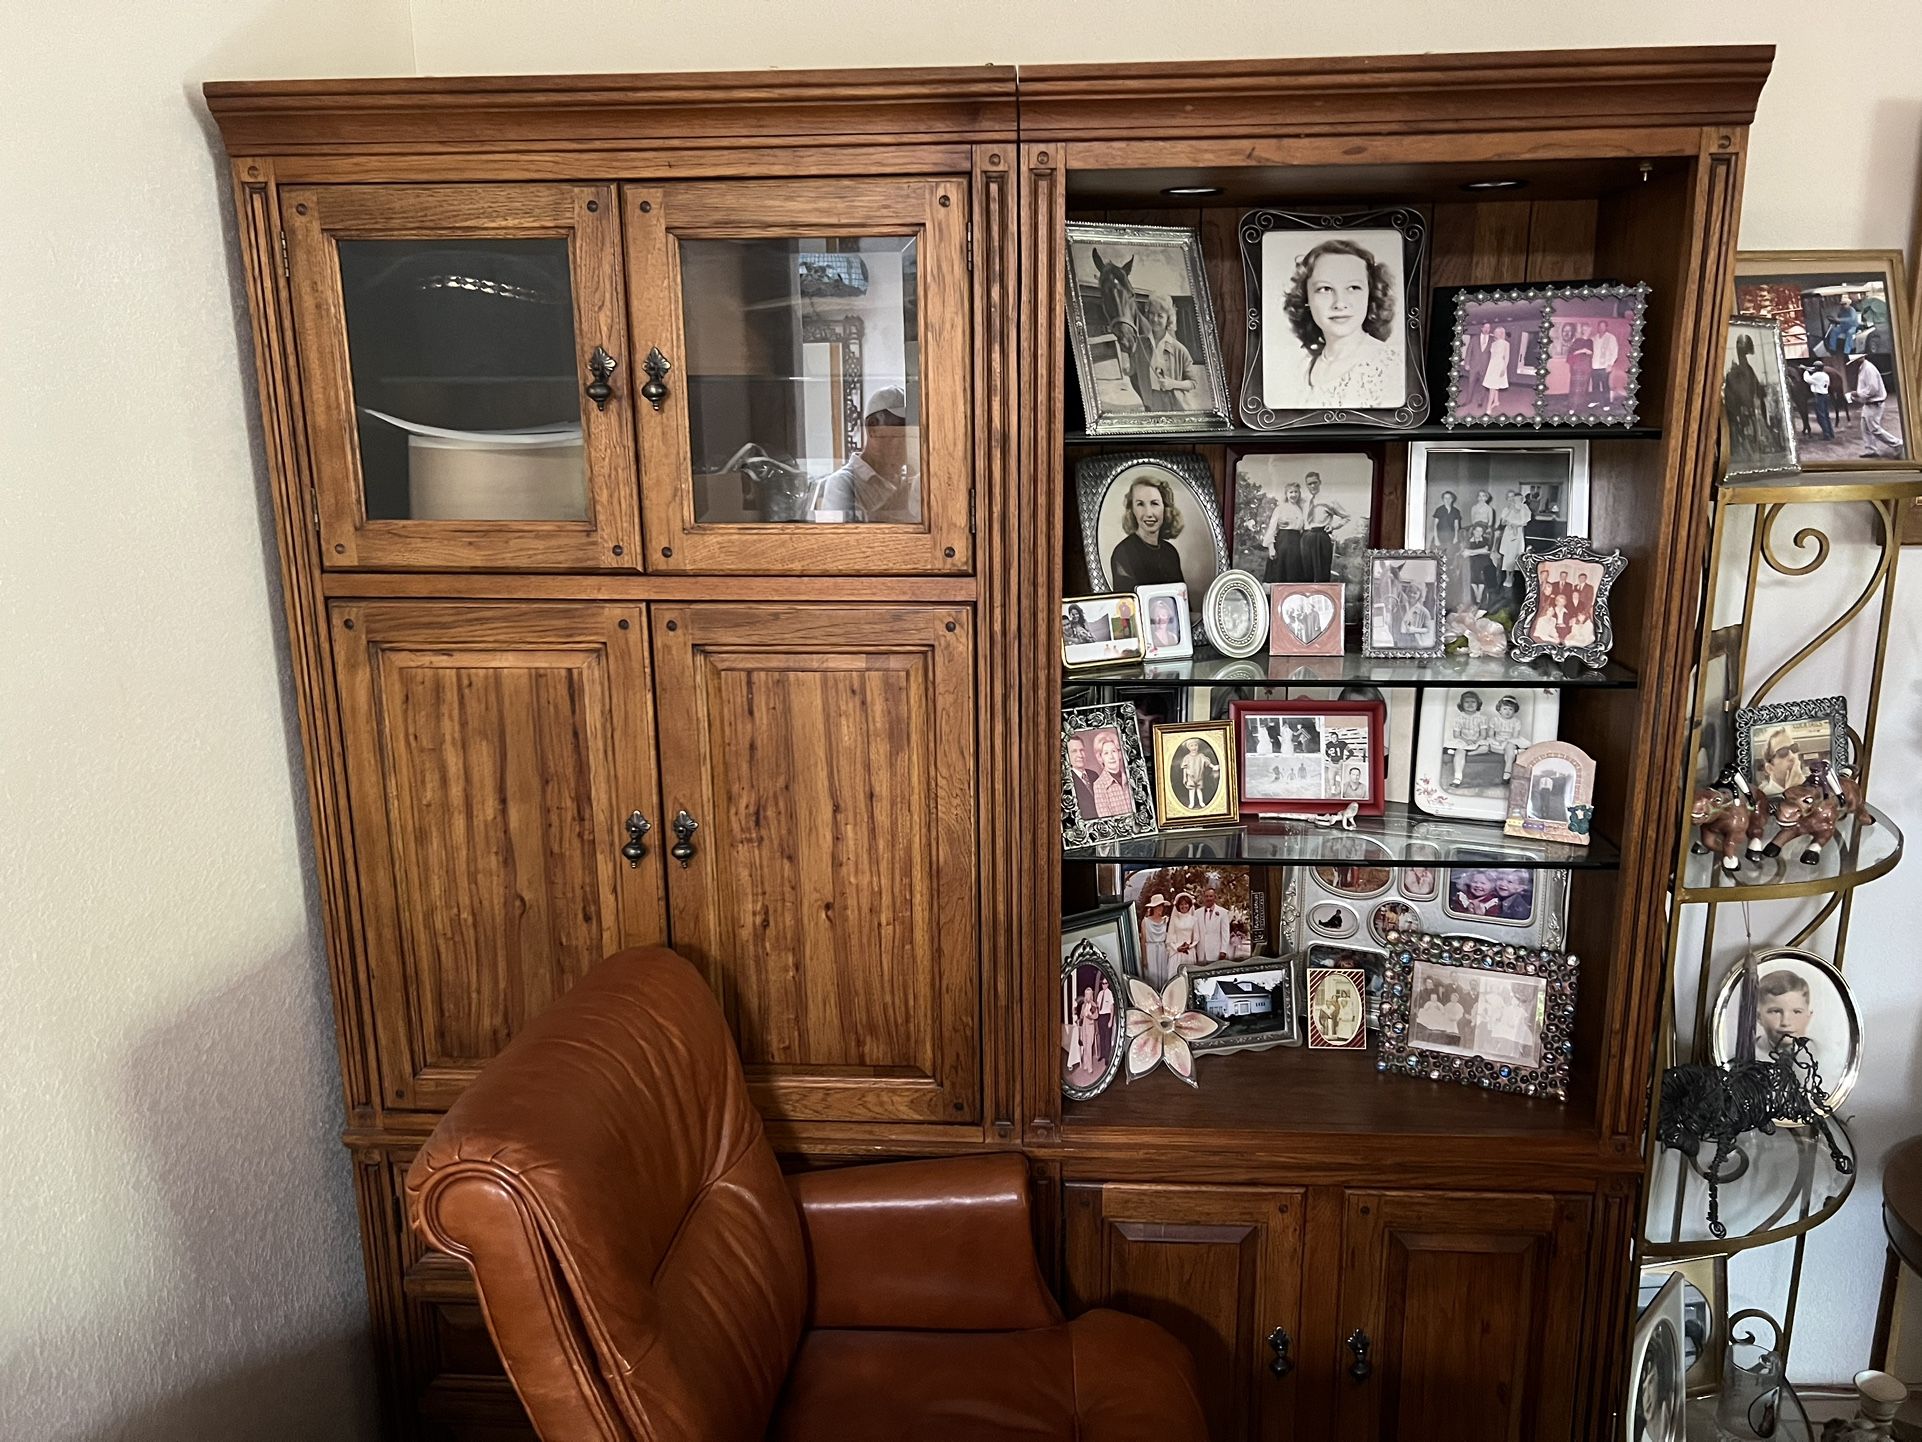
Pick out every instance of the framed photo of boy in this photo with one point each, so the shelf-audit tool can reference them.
(1195, 773)
(1844, 322)
(1305, 757)
(1798, 997)
(1145, 343)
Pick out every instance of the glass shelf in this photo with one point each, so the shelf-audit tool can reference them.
(1432, 431)
(1791, 1424)
(1791, 1185)
(1401, 836)
(1863, 854)
(1207, 668)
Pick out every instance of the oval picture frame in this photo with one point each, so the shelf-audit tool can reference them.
(1087, 955)
(1811, 967)
(1237, 638)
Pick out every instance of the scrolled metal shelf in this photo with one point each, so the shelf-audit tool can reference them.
(1863, 854)
(1791, 1186)
(1809, 490)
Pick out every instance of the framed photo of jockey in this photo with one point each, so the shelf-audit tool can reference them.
(1144, 335)
(1758, 438)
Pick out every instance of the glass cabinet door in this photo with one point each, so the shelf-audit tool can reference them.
(468, 383)
(805, 408)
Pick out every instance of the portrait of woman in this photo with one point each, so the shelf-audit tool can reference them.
(1112, 795)
(1145, 555)
(1343, 310)
(1151, 521)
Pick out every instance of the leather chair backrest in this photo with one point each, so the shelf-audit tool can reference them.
(638, 1255)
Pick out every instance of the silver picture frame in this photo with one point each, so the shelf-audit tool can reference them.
(1095, 480)
(1549, 298)
(1080, 830)
(1100, 418)
(1284, 1031)
(1086, 955)
(1522, 644)
(1446, 850)
(1812, 968)
(1781, 456)
(1750, 719)
(1255, 226)
(1237, 641)
(1656, 1410)
(1414, 653)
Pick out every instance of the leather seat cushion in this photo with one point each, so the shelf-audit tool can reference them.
(1104, 1377)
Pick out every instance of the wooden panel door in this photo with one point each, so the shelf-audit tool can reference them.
(1471, 1307)
(809, 327)
(494, 753)
(827, 755)
(1220, 1268)
(447, 337)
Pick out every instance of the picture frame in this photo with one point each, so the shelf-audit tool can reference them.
(1480, 1013)
(1304, 515)
(1497, 368)
(1148, 279)
(1797, 992)
(1575, 579)
(1112, 928)
(1173, 495)
(1103, 798)
(1224, 921)
(1552, 795)
(1485, 503)
(1600, 313)
(1307, 618)
(1468, 742)
(1704, 1300)
(1656, 1410)
(1526, 356)
(1195, 774)
(1367, 271)
(1093, 1044)
(1461, 886)
(1234, 613)
(1774, 744)
(1167, 629)
(1337, 1009)
(1101, 631)
(1309, 757)
(1256, 1001)
(1757, 437)
(1810, 295)
(1371, 963)
(1401, 613)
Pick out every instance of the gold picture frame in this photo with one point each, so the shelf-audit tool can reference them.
(1195, 759)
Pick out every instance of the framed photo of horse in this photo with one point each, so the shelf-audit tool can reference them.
(1144, 335)
(1758, 438)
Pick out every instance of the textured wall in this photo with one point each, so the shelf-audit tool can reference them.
(182, 1261)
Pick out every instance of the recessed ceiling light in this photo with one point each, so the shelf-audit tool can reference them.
(1192, 190)
(1493, 184)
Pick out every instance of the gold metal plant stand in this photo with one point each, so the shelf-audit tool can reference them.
(1791, 1184)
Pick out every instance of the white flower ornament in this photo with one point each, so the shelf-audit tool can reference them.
(1160, 1028)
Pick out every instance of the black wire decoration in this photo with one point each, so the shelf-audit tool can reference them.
(1719, 1104)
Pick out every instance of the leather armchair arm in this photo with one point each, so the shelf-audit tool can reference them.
(923, 1246)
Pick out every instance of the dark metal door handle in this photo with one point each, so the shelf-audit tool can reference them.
(684, 827)
(600, 370)
(637, 827)
(1358, 1344)
(657, 366)
(1278, 1344)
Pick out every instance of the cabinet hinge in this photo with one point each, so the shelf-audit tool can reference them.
(970, 247)
(970, 512)
(286, 271)
(313, 507)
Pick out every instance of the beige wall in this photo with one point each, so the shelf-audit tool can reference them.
(183, 1261)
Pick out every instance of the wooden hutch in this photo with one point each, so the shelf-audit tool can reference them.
(856, 725)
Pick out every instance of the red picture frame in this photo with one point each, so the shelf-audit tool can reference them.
(1289, 745)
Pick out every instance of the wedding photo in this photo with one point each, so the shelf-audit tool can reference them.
(1191, 916)
(1093, 1011)
(1499, 357)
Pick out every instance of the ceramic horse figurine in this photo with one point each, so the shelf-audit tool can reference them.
(1130, 331)
(1728, 823)
(1811, 810)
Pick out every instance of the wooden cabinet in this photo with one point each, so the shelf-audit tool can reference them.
(429, 316)
(1220, 1268)
(494, 751)
(827, 753)
(788, 310)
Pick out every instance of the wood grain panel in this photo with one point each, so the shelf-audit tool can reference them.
(1218, 1267)
(317, 219)
(828, 754)
(1473, 1306)
(494, 753)
(935, 212)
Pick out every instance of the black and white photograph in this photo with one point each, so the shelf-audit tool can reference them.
(1552, 793)
(1564, 611)
(1499, 358)
(1403, 603)
(1336, 305)
(1303, 515)
(1100, 630)
(1254, 1002)
(1801, 1003)
(1143, 330)
(1478, 889)
(1755, 401)
(1593, 371)
(1484, 505)
(1354, 958)
(1150, 521)
(1657, 1378)
(1309, 756)
(1469, 739)
(1193, 915)
(1704, 1316)
(1841, 315)
(1094, 1009)
(1234, 615)
(1307, 619)
(1166, 626)
(1105, 791)
(1779, 745)
(1337, 1008)
(1195, 773)
(1461, 1011)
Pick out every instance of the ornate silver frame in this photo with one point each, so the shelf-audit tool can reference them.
(1458, 355)
(1570, 548)
(1086, 953)
(1413, 227)
(1412, 653)
(1731, 991)
(1548, 295)
(1148, 423)
(1107, 828)
(1244, 581)
(1289, 1035)
(1633, 384)
(1558, 972)
(1773, 329)
(1832, 709)
(1095, 477)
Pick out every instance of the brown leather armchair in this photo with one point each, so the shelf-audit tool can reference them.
(648, 1273)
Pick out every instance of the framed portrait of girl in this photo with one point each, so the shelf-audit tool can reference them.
(1337, 311)
(1151, 520)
